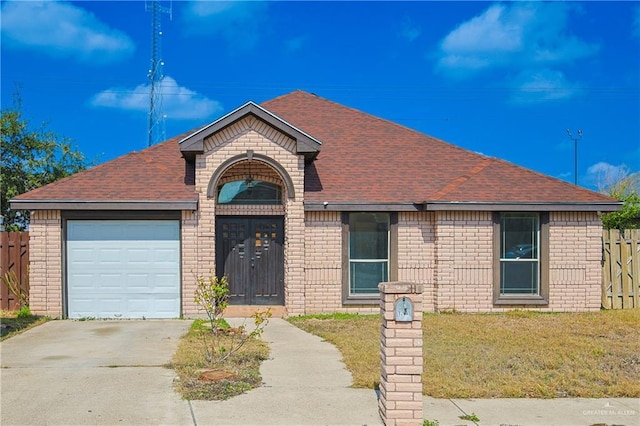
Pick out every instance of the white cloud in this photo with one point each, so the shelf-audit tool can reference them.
(507, 35)
(603, 175)
(61, 29)
(239, 23)
(177, 102)
(542, 85)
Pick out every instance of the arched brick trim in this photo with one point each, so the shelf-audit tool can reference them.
(213, 183)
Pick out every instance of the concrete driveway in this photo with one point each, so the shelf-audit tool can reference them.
(92, 372)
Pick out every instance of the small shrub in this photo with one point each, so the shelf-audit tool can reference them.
(212, 294)
(24, 312)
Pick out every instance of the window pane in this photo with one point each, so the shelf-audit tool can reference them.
(368, 236)
(519, 236)
(519, 277)
(249, 192)
(365, 276)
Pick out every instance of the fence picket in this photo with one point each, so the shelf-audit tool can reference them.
(14, 256)
(621, 269)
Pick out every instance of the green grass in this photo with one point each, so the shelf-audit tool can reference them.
(15, 322)
(236, 375)
(513, 355)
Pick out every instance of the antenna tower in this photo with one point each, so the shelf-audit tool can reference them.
(156, 130)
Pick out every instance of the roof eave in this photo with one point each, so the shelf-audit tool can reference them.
(462, 206)
(104, 205)
(520, 206)
(305, 143)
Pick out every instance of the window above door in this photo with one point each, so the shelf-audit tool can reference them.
(249, 191)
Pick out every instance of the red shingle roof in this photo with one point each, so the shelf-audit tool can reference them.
(363, 160)
(154, 174)
(366, 159)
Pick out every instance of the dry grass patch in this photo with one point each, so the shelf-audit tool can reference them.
(199, 379)
(16, 322)
(512, 355)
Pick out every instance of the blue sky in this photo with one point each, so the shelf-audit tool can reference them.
(505, 79)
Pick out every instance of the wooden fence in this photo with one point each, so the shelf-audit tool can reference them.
(14, 256)
(621, 269)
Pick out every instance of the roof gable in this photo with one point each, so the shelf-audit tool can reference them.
(305, 144)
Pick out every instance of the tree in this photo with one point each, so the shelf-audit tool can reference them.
(626, 189)
(30, 159)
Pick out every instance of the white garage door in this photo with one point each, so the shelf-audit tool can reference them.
(123, 269)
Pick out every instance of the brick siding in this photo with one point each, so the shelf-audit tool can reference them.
(45, 263)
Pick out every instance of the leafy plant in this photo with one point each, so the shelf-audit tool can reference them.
(24, 312)
(430, 423)
(471, 417)
(31, 158)
(18, 287)
(625, 187)
(212, 294)
(627, 218)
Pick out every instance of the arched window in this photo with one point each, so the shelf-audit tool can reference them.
(249, 191)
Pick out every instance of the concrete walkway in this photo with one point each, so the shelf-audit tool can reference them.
(305, 383)
(110, 372)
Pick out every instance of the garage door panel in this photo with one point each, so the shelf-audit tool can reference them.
(123, 269)
(106, 256)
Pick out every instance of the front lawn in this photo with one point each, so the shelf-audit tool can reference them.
(512, 355)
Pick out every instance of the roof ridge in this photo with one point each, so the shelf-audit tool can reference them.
(459, 181)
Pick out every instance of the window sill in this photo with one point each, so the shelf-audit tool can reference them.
(521, 300)
(362, 300)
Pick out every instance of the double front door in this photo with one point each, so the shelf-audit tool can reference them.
(249, 251)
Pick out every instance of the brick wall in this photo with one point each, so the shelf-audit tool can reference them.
(464, 254)
(464, 261)
(45, 260)
(575, 255)
(323, 262)
(189, 249)
(416, 253)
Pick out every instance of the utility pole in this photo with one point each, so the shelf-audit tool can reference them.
(575, 144)
(156, 131)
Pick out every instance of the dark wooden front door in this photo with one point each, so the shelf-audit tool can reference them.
(249, 251)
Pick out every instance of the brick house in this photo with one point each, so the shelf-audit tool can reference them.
(307, 204)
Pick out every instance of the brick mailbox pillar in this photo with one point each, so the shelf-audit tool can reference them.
(400, 401)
